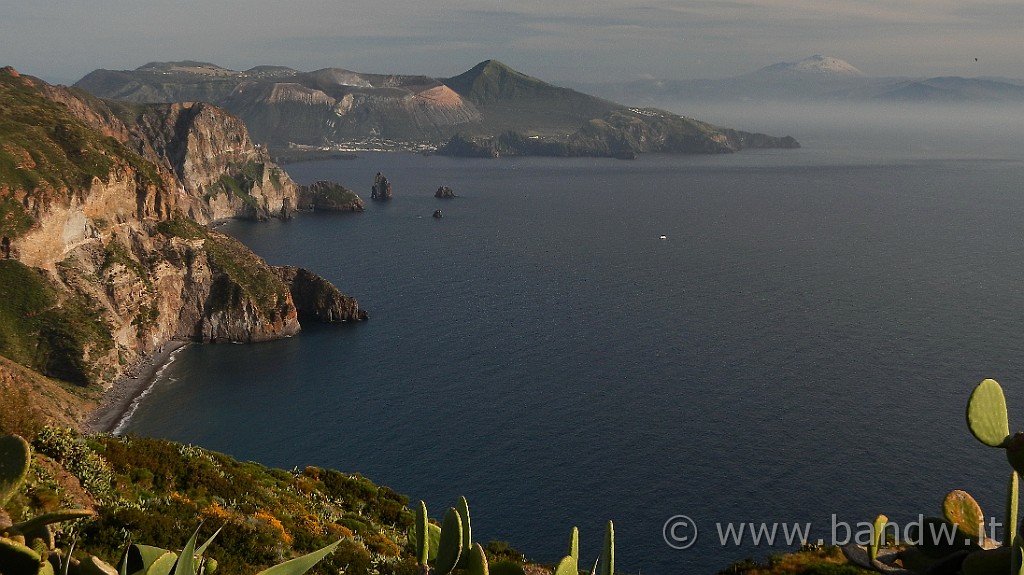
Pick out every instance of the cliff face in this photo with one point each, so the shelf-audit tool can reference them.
(282, 106)
(317, 298)
(222, 173)
(106, 257)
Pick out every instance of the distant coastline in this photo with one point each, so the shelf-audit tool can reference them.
(119, 402)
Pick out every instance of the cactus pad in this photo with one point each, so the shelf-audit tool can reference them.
(608, 555)
(15, 458)
(574, 545)
(986, 414)
(39, 521)
(877, 537)
(449, 548)
(422, 534)
(566, 567)
(18, 558)
(467, 531)
(476, 560)
(960, 509)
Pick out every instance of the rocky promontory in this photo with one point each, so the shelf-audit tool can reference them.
(317, 298)
(619, 134)
(107, 255)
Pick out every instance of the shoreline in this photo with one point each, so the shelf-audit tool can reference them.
(118, 401)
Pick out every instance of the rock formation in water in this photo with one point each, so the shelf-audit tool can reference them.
(330, 197)
(444, 192)
(381, 189)
(317, 298)
(107, 256)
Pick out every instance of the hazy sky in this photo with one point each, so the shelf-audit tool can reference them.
(568, 40)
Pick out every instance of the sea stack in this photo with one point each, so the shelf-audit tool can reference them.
(381, 188)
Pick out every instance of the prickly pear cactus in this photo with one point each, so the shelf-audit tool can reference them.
(476, 562)
(877, 537)
(608, 556)
(18, 558)
(15, 457)
(566, 567)
(574, 545)
(422, 534)
(986, 414)
(960, 509)
(467, 532)
(449, 548)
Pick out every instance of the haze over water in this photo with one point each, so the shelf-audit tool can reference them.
(801, 344)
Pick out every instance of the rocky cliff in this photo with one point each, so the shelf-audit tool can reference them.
(283, 106)
(106, 255)
(317, 298)
(223, 173)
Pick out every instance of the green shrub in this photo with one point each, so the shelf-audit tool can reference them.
(64, 446)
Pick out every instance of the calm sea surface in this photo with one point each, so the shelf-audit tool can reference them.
(800, 344)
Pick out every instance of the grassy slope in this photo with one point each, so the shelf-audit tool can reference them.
(157, 492)
(45, 331)
(45, 150)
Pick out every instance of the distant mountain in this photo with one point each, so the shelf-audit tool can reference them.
(816, 65)
(339, 108)
(817, 79)
(510, 100)
(281, 105)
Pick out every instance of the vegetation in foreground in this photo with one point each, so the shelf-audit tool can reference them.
(127, 490)
(107, 492)
(810, 560)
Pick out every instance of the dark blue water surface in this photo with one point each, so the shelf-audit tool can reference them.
(800, 344)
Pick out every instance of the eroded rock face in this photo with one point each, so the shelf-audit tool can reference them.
(317, 298)
(223, 174)
(127, 245)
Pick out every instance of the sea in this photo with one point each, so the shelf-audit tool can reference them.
(702, 349)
